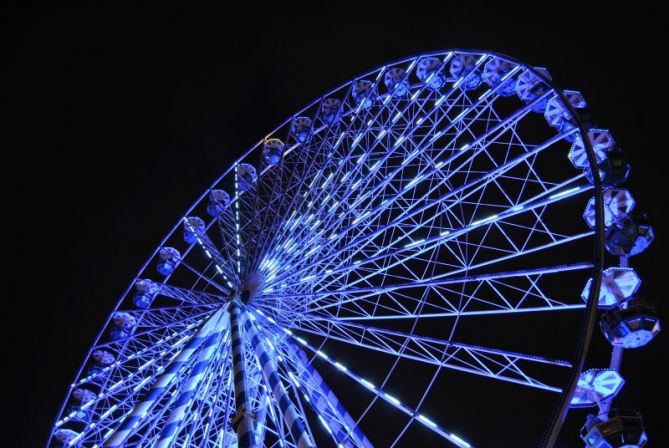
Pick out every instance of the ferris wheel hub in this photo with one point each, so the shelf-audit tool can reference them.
(249, 287)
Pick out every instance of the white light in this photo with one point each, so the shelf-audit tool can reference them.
(367, 384)
(340, 367)
(414, 243)
(427, 421)
(564, 193)
(397, 116)
(459, 440)
(327, 180)
(339, 140)
(463, 113)
(294, 379)
(508, 75)
(414, 181)
(436, 136)
(480, 221)
(325, 424)
(356, 141)
(392, 399)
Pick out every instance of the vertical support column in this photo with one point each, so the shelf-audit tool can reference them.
(291, 418)
(242, 422)
(325, 401)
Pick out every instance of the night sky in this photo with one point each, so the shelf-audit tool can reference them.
(119, 118)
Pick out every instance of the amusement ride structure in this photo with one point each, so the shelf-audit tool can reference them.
(363, 239)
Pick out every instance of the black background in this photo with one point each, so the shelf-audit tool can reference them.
(118, 118)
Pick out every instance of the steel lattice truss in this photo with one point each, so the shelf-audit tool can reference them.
(421, 195)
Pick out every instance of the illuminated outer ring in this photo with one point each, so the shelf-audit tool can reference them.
(574, 365)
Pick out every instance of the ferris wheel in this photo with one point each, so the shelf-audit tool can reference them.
(394, 243)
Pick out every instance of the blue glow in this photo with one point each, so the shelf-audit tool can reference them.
(617, 285)
(596, 385)
(618, 204)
